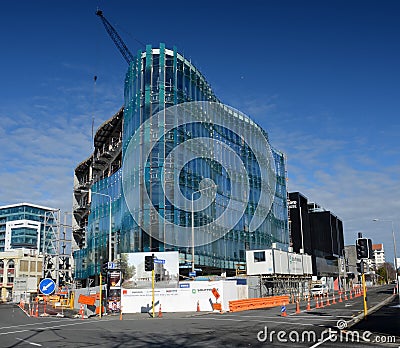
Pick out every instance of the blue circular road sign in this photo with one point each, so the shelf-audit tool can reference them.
(47, 286)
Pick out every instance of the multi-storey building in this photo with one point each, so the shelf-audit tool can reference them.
(317, 232)
(32, 233)
(151, 195)
(30, 245)
(379, 255)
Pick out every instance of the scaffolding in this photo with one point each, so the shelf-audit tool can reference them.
(55, 248)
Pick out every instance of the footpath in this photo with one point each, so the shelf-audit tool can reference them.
(384, 321)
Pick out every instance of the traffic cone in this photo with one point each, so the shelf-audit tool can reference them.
(333, 299)
(321, 305)
(340, 296)
(298, 307)
(351, 296)
(283, 310)
(327, 300)
(345, 296)
(37, 310)
(316, 302)
(159, 312)
(308, 308)
(82, 311)
(198, 306)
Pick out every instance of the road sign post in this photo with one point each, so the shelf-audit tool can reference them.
(47, 286)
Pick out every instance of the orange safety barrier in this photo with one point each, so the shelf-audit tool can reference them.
(256, 303)
(217, 306)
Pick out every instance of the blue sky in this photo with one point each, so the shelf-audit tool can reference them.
(322, 77)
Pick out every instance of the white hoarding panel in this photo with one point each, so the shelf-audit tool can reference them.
(280, 261)
(135, 277)
(295, 264)
(259, 262)
(307, 264)
(185, 298)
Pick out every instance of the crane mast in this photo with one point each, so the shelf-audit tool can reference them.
(116, 38)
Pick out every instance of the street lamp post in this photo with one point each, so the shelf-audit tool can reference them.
(395, 254)
(193, 193)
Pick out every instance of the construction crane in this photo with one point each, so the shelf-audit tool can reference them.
(116, 38)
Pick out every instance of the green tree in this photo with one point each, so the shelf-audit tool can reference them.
(387, 272)
(127, 271)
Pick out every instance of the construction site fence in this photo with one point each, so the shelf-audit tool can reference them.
(257, 303)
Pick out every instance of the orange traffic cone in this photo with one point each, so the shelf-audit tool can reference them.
(159, 312)
(340, 296)
(333, 299)
(37, 310)
(316, 302)
(198, 306)
(322, 302)
(327, 300)
(308, 304)
(298, 307)
(345, 296)
(351, 296)
(283, 310)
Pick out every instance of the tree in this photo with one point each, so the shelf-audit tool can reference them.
(127, 271)
(387, 272)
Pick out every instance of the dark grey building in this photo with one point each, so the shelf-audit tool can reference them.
(317, 232)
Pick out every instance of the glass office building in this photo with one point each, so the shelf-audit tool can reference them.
(154, 186)
(28, 226)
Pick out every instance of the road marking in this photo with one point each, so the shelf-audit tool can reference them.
(325, 317)
(320, 342)
(48, 327)
(32, 343)
(38, 323)
(258, 321)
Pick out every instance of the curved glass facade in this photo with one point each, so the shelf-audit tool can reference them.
(159, 79)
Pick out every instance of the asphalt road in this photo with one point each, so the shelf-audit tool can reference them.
(257, 328)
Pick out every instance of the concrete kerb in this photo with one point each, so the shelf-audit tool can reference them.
(371, 310)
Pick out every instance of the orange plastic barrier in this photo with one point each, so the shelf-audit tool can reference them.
(87, 300)
(256, 303)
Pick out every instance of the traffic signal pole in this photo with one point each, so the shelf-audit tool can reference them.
(101, 298)
(364, 295)
(152, 290)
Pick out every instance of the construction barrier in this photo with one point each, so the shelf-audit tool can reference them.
(257, 303)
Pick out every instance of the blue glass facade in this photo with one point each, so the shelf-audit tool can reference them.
(27, 236)
(158, 79)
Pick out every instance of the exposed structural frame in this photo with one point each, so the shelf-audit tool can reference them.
(282, 285)
(56, 258)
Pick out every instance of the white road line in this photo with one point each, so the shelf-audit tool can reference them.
(320, 342)
(37, 323)
(32, 343)
(257, 321)
(325, 317)
(47, 327)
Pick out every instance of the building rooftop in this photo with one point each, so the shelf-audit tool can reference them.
(27, 204)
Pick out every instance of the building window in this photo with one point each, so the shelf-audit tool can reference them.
(11, 264)
(259, 256)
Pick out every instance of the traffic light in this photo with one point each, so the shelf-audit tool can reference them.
(359, 267)
(362, 248)
(157, 277)
(370, 252)
(104, 269)
(149, 263)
